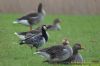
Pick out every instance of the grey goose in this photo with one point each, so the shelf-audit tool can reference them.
(25, 34)
(55, 25)
(76, 57)
(32, 18)
(37, 40)
(56, 53)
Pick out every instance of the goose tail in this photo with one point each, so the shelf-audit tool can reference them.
(36, 52)
(15, 22)
(20, 36)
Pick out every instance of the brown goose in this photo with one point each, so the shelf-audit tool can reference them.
(32, 18)
(56, 53)
(76, 57)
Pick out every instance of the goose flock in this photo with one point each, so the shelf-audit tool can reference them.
(38, 37)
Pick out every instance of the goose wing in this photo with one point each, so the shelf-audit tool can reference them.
(36, 41)
(32, 32)
(55, 51)
(31, 15)
(22, 33)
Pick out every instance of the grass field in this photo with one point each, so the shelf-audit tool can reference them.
(82, 29)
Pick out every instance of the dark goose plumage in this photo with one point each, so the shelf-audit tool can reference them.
(56, 53)
(76, 57)
(23, 35)
(55, 25)
(37, 40)
(32, 18)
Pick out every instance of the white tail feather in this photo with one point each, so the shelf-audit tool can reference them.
(36, 52)
(20, 36)
(15, 22)
(16, 33)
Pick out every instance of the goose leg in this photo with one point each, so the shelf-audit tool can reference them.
(30, 27)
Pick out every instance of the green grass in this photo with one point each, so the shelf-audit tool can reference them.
(82, 29)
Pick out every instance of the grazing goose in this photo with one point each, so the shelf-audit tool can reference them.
(32, 18)
(55, 25)
(37, 40)
(56, 53)
(76, 57)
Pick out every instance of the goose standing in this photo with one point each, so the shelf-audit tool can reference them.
(56, 53)
(32, 18)
(37, 40)
(76, 57)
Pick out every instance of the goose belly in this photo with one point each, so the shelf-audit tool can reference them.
(78, 58)
(37, 42)
(24, 22)
(44, 55)
(58, 27)
(64, 56)
(42, 41)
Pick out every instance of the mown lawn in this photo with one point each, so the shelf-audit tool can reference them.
(82, 29)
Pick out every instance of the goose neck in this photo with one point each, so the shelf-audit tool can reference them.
(44, 34)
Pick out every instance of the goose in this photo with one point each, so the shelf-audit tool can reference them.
(76, 57)
(56, 53)
(55, 25)
(23, 35)
(32, 18)
(36, 41)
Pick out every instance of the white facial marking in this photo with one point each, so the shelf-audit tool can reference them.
(44, 27)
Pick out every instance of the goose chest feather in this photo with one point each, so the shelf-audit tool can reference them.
(37, 40)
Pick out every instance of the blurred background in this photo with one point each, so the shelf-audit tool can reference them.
(84, 7)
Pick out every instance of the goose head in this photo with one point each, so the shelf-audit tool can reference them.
(65, 42)
(44, 33)
(44, 27)
(40, 9)
(78, 46)
(57, 21)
